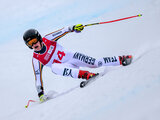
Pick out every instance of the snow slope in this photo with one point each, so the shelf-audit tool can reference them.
(124, 93)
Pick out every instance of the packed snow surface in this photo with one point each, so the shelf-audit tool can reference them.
(123, 93)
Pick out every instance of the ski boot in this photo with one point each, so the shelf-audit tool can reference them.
(86, 74)
(125, 60)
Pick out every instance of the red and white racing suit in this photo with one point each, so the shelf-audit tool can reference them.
(63, 62)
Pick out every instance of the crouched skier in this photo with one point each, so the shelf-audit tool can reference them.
(47, 52)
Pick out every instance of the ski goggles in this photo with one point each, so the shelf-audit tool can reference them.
(31, 42)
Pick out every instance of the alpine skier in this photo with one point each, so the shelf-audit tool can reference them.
(47, 52)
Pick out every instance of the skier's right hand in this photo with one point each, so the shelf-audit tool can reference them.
(78, 27)
(43, 98)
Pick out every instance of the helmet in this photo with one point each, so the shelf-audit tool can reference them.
(31, 34)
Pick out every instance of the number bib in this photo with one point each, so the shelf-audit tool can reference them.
(60, 54)
(45, 57)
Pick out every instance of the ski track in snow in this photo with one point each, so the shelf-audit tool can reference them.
(146, 48)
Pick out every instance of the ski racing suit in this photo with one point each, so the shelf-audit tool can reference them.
(61, 61)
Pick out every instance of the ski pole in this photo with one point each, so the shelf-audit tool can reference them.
(113, 20)
(29, 103)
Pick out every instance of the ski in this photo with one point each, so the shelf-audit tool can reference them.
(87, 82)
(84, 83)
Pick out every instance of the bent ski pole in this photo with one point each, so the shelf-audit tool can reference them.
(113, 20)
(29, 103)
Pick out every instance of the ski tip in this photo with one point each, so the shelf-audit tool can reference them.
(82, 84)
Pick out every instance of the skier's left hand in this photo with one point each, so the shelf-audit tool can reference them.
(78, 28)
(43, 98)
